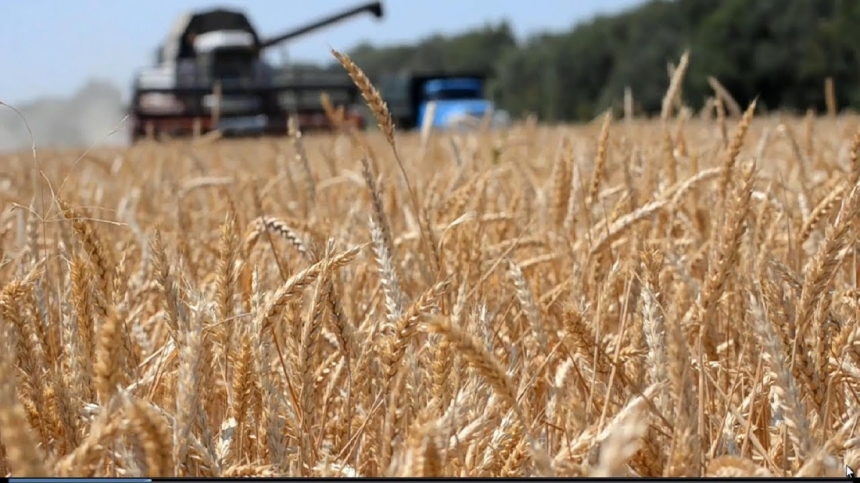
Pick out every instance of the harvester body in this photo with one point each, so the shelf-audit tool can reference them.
(210, 74)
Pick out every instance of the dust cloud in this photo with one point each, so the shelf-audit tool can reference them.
(84, 119)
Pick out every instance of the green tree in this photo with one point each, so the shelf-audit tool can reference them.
(777, 50)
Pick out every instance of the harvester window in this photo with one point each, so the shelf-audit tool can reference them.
(186, 46)
(232, 64)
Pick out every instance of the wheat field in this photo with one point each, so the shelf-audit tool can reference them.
(674, 297)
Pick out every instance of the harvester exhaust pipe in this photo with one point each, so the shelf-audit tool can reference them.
(373, 7)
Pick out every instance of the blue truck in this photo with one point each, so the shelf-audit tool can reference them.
(459, 98)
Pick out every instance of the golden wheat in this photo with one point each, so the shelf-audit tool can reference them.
(608, 300)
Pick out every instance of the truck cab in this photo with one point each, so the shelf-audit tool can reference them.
(458, 97)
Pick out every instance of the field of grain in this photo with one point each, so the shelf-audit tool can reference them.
(629, 298)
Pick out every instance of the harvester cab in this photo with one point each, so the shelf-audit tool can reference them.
(230, 55)
(210, 74)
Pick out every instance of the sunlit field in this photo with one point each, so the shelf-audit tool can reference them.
(622, 298)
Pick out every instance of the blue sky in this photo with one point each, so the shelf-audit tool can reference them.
(52, 47)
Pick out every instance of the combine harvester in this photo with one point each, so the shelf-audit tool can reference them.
(450, 100)
(210, 74)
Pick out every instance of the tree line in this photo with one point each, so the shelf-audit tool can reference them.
(780, 51)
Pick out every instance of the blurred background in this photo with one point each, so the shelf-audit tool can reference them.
(67, 66)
